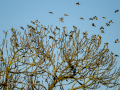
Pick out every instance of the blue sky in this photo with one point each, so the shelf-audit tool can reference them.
(16, 13)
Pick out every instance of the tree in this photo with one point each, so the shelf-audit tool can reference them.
(32, 63)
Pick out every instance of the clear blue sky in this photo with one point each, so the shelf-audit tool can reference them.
(16, 13)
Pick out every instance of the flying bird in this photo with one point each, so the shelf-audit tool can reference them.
(101, 27)
(22, 28)
(82, 18)
(116, 41)
(95, 17)
(102, 31)
(116, 11)
(65, 15)
(107, 24)
(110, 21)
(77, 3)
(93, 24)
(104, 17)
(61, 19)
(90, 19)
(32, 22)
(51, 12)
(37, 21)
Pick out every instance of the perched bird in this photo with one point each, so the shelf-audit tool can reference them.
(110, 21)
(77, 3)
(41, 26)
(104, 17)
(85, 33)
(37, 21)
(29, 34)
(95, 17)
(36, 25)
(45, 28)
(116, 41)
(64, 27)
(54, 33)
(116, 55)
(93, 37)
(32, 22)
(12, 29)
(50, 37)
(65, 15)
(106, 44)
(93, 24)
(71, 32)
(57, 28)
(29, 26)
(51, 12)
(98, 37)
(22, 28)
(90, 19)
(101, 27)
(71, 35)
(82, 18)
(74, 27)
(107, 24)
(116, 11)
(102, 31)
(59, 39)
(66, 34)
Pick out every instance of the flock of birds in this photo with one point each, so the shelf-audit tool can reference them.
(61, 20)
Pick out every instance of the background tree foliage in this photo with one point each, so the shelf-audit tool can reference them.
(33, 64)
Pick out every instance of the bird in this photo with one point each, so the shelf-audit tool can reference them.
(32, 22)
(29, 34)
(71, 32)
(110, 21)
(36, 25)
(50, 37)
(102, 31)
(61, 19)
(116, 11)
(41, 26)
(51, 12)
(77, 3)
(104, 17)
(116, 41)
(45, 28)
(106, 44)
(101, 27)
(37, 21)
(116, 55)
(85, 33)
(64, 27)
(57, 28)
(93, 24)
(12, 29)
(107, 24)
(22, 28)
(29, 26)
(90, 19)
(82, 18)
(65, 15)
(98, 37)
(95, 17)
(59, 39)
(74, 27)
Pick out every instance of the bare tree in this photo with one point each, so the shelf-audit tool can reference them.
(32, 63)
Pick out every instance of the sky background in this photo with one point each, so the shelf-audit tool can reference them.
(16, 13)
